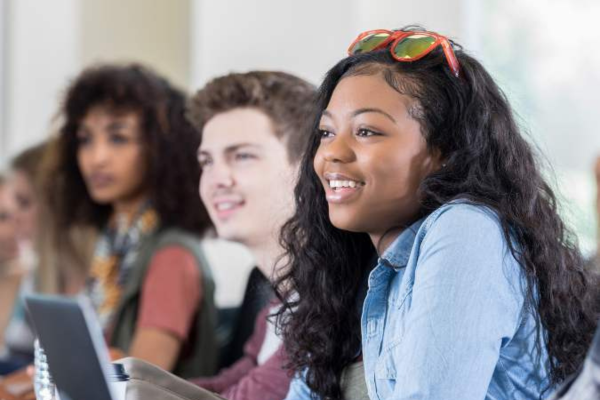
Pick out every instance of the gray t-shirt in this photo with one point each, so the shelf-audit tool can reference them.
(354, 386)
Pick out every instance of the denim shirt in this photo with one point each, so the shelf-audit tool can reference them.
(445, 317)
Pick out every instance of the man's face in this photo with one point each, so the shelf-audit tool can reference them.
(247, 179)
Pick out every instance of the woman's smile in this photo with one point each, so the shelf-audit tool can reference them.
(372, 156)
(340, 188)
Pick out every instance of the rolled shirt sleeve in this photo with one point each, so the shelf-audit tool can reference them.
(171, 292)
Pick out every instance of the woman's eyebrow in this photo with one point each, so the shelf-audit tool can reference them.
(373, 110)
(328, 114)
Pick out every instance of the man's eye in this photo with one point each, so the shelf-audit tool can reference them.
(244, 156)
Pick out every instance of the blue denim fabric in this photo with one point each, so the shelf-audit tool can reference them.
(445, 317)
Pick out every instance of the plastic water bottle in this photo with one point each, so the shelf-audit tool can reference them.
(44, 386)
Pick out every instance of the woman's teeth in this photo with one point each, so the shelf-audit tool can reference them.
(343, 184)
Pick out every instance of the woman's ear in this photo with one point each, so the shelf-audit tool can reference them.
(437, 161)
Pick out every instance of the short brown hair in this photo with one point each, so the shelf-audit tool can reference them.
(286, 99)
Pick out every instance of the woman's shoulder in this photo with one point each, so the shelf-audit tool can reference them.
(168, 237)
(182, 243)
(463, 216)
(176, 235)
(465, 225)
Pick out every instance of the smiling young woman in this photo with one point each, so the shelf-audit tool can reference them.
(478, 290)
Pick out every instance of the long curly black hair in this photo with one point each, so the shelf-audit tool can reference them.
(487, 161)
(170, 144)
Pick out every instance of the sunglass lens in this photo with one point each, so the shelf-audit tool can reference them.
(370, 42)
(413, 46)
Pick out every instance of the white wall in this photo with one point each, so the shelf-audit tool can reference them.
(43, 38)
(293, 36)
(553, 82)
(154, 32)
(3, 31)
(49, 42)
(302, 37)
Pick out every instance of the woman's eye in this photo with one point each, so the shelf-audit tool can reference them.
(204, 162)
(118, 138)
(324, 133)
(366, 133)
(83, 139)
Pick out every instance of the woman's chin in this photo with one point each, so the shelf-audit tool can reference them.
(347, 223)
(103, 200)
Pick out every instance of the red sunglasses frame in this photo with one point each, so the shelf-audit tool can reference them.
(397, 36)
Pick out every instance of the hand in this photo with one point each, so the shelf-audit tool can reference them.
(18, 386)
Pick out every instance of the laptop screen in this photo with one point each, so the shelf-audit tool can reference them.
(72, 339)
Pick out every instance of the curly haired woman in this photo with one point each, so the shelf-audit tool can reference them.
(478, 290)
(124, 164)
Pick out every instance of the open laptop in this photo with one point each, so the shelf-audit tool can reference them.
(72, 339)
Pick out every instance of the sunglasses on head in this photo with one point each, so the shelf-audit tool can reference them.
(405, 46)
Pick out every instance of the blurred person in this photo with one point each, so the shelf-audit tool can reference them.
(479, 290)
(9, 253)
(9, 249)
(253, 131)
(124, 165)
(11, 269)
(24, 178)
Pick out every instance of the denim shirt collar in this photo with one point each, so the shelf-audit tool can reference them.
(397, 254)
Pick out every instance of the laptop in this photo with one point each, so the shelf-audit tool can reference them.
(74, 344)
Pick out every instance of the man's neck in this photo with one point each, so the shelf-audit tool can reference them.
(267, 256)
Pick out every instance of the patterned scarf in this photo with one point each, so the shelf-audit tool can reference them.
(115, 254)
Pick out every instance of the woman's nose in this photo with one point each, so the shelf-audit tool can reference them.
(338, 149)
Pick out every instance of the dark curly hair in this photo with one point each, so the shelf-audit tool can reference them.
(170, 144)
(487, 161)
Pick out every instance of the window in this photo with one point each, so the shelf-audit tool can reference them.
(544, 55)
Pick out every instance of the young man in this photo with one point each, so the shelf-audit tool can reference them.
(253, 129)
